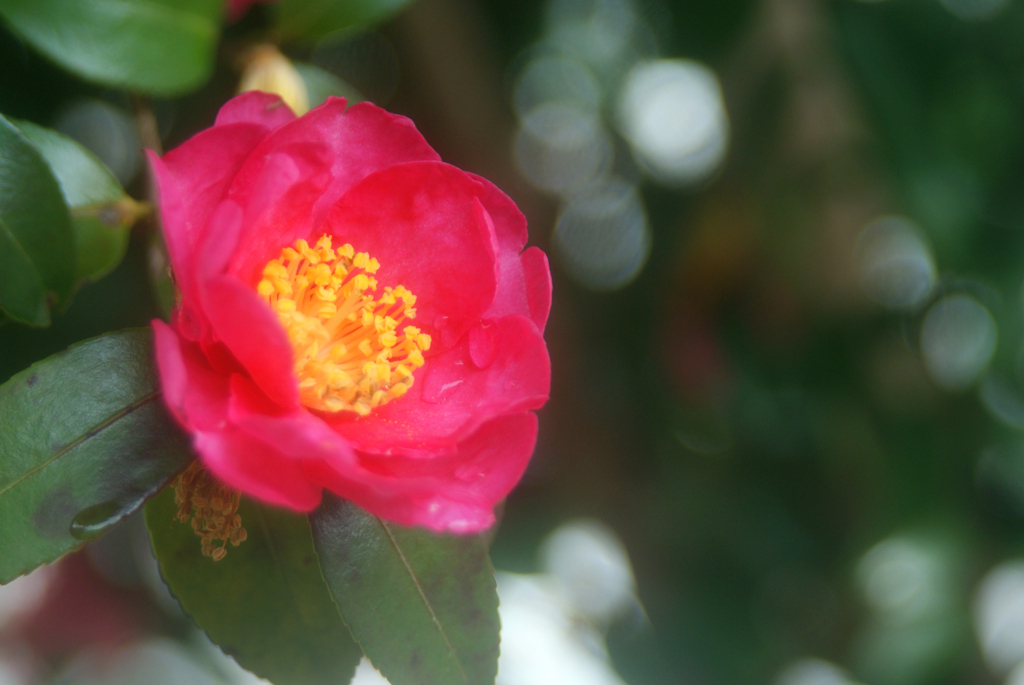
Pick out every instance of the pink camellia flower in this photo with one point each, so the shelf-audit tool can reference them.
(354, 315)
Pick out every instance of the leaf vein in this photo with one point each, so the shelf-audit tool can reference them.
(22, 251)
(423, 596)
(88, 435)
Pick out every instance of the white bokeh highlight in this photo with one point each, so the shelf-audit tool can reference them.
(602, 236)
(999, 616)
(10, 674)
(154, 661)
(366, 674)
(541, 643)
(958, 339)
(672, 114)
(902, 580)
(598, 31)
(560, 147)
(24, 594)
(1002, 400)
(813, 672)
(556, 78)
(592, 568)
(897, 269)
(1016, 676)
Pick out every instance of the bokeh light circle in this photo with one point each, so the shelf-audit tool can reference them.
(560, 147)
(673, 116)
(602, 235)
(552, 78)
(958, 339)
(896, 265)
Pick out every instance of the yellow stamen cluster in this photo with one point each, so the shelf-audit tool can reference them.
(212, 507)
(352, 352)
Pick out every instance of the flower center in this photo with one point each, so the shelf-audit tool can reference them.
(349, 352)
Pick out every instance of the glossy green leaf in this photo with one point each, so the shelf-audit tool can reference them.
(321, 84)
(164, 47)
(84, 441)
(423, 606)
(37, 245)
(83, 178)
(101, 212)
(314, 19)
(265, 603)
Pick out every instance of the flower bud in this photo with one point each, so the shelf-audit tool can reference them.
(266, 69)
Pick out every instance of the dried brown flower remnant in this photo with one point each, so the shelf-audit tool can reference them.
(212, 507)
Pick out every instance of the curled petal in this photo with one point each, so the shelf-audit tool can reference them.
(420, 221)
(196, 394)
(537, 280)
(296, 433)
(524, 277)
(250, 329)
(335, 148)
(191, 182)
(453, 492)
(193, 178)
(455, 397)
(509, 222)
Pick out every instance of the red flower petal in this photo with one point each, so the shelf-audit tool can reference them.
(509, 222)
(455, 492)
(191, 181)
(537, 277)
(296, 433)
(243, 322)
(524, 278)
(257, 469)
(196, 394)
(255, 107)
(331, 149)
(420, 221)
(454, 397)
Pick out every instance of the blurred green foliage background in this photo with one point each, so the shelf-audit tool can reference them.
(804, 423)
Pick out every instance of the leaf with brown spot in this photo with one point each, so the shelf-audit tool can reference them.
(84, 441)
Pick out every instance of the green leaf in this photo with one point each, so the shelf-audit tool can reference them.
(101, 212)
(83, 178)
(423, 606)
(37, 245)
(265, 603)
(84, 441)
(314, 19)
(164, 47)
(322, 84)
